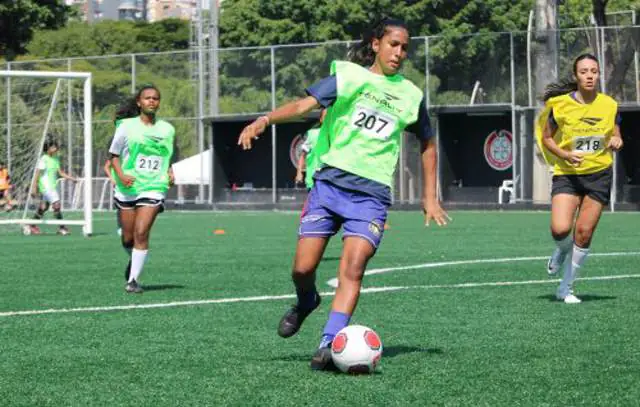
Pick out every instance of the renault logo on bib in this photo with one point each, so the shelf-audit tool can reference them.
(385, 100)
(591, 121)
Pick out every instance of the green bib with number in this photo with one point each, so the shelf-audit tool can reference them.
(48, 178)
(312, 156)
(149, 153)
(366, 122)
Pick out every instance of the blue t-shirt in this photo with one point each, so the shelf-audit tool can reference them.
(325, 92)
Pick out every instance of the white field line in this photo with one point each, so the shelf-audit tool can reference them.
(291, 296)
(334, 281)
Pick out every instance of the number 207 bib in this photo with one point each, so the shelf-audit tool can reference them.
(373, 123)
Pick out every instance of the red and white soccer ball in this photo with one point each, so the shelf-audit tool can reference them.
(356, 349)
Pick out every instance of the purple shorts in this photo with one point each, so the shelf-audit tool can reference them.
(328, 207)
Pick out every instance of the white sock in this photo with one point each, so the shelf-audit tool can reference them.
(572, 268)
(138, 257)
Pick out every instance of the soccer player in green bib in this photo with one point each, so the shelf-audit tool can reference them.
(141, 153)
(369, 105)
(45, 182)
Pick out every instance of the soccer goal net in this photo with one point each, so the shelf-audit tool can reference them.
(41, 112)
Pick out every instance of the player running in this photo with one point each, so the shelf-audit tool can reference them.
(141, 153)
(45, 183)
(577, 133)
(369, 105)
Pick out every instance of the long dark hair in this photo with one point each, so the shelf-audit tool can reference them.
(567, 85)
(130, 108)
(361, 52)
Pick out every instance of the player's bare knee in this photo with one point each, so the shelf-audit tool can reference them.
(354, 270)
(141, 237)
(583, 235)
(560, 233)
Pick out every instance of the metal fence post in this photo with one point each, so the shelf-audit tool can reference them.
(514, 140)
(133, 73)
(8, 107)
(274, 167)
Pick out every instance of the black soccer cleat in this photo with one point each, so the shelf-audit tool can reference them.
(292, 319)
(322, 360)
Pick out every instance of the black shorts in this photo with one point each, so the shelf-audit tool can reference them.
(128, 205)
(596, 186)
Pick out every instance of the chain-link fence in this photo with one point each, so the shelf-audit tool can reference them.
(491, 80)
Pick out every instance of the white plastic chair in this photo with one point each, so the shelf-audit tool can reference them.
(507, 186)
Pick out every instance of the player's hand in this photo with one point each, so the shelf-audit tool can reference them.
(615, 143)
(127, 180)
(252, 132)
(299, 178)
(33, 194)
(574, 159)
(172, 179)
(433, 211)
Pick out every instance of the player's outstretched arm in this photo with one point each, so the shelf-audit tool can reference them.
(66, 176)
(285, 113)
(430, 203)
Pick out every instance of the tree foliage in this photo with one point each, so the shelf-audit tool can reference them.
(19, 19)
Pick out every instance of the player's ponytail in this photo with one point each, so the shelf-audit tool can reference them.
(568, 85)
(361, 52)
(130, 107)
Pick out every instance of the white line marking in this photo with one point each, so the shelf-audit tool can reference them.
(334, 281)
(291, 296)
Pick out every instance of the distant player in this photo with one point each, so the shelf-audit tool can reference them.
(45, 183)
(308, 161)
(141, 153)
(369, 105)
(577, 133)
(5, 188)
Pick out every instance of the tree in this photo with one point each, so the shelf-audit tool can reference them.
(109, 37)
(20, 18)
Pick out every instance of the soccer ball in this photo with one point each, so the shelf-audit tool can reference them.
(26, 230)
(356, 349)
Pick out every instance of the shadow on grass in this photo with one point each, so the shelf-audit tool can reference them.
(584, 298)
(393, 351)
(159, 287)
(388, 352)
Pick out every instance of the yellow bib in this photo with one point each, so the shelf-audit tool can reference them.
(583, 128)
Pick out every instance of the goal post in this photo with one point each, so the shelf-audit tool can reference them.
(35, 108)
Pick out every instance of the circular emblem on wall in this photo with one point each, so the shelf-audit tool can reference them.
(295, 149)
(498, 150)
